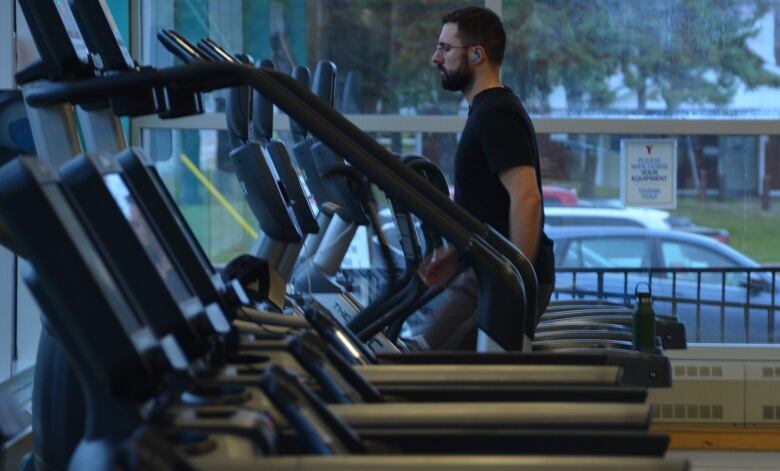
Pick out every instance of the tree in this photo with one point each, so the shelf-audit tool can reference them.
(570, 43)
(566, 43)
(690, 51)
(683, 52)
(386, 46)
(190, 18)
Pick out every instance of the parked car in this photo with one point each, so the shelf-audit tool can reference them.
(555, 195)
(558, 216)
(601, 217)
(609, 248)
(684, 223)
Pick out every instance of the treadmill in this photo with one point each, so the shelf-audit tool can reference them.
(90, 314)
(549, 374)
(569, 335)
(652, 376)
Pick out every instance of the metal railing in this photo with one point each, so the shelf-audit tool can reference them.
(725, 293)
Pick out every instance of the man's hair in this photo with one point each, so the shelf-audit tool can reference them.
(480, 26)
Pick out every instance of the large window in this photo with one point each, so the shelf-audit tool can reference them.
(591, 73)
(726, 186)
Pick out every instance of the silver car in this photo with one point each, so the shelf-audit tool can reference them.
(720, 294)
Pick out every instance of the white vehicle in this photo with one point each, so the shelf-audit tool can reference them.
(567, 216)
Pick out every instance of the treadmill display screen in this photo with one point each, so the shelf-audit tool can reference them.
(92, 259)
(152, 246)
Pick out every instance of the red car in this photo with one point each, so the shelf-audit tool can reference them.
(559, 196)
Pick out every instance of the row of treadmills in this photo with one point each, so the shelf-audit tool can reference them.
(154, 359)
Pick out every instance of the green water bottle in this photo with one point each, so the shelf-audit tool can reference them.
(644, 319)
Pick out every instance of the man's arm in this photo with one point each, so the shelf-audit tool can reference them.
(525, 202)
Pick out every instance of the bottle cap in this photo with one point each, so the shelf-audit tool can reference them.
(642, 289)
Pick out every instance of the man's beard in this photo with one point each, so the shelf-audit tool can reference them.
(458, 79)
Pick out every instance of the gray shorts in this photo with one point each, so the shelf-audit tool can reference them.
(453, 325)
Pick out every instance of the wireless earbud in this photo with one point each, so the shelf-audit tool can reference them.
(475, 56)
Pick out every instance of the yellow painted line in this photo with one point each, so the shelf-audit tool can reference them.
(721, 438)
(217, 195)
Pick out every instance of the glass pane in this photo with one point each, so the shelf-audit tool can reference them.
(726, 216)
(7, 285)
(28, 325)
(656, 57)
(195, 168)
(569, 258)
(439, 148)
(382, 48)
(615, 252)
(684, 255)
(727, 189)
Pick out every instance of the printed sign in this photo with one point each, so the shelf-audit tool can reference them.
(648, 173)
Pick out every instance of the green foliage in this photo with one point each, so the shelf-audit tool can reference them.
(415, 79)
(752, 230)
(689, 51)
(256, 27)
(355, 35)
(190, 18)
(681, 51)
(387, 46)
(560, 42)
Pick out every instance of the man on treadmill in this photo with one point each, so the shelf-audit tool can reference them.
(497, 174)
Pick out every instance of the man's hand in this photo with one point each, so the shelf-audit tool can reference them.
(439, 268)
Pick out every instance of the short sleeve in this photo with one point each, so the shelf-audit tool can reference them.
(505, 140)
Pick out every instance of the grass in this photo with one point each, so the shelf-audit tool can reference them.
(221, 236)
(753, 231)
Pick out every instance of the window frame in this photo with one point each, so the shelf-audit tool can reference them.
(542, 125)
(584, 124)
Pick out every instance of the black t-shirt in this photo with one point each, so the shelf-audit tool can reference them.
(498, 136)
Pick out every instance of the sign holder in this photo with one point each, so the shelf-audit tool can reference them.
(648, 173)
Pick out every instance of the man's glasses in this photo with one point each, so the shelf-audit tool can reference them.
(444, 48)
